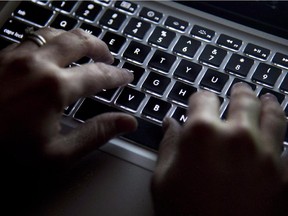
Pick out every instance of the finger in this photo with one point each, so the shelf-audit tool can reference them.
(90, 136)
(171, 135)
(244, 107)
(272, 121)
(9, 47)
(168, 145)
(48, 33)
(92, 78)
(73, 45)
(203, 105)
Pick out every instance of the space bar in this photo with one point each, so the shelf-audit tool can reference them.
(147, 134)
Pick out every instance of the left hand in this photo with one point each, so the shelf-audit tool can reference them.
(36, 85)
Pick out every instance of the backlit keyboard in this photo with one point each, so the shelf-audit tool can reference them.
(170, 57)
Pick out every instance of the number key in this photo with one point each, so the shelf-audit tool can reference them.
(112, 19)
(186, 46)
(239, 65)
(88, 10)
(162, 37)
(212, 55)
(266, 74)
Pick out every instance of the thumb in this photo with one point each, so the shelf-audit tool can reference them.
(91, 135)
(168, 144)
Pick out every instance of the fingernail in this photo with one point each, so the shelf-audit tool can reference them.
(128, 72)
(241, 85)
(165, 123)
(268, 97)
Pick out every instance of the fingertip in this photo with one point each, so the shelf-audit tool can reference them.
(126, 123)
(128, 75)
(267, 98)
(241, 85)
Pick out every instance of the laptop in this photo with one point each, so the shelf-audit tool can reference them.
(174, 48)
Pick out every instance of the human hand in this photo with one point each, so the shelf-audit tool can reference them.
(36, 85)
(214, 167)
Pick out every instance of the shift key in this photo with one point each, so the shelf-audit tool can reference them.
(33, 13)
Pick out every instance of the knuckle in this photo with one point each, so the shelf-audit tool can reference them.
(51, 81)
(242, 140)
(201, 126)
(83, 37)
(51, 85)
(22, 61)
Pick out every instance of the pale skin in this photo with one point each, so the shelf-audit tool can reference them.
(204, 167)
(37, 83)
(213, 167)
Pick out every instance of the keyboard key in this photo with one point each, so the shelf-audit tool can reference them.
(90, 108)
(229, 42)
(67, 110)
(162, 61)
(202, 33)
(107, 94)
(161, 37)
(176, 24)
(266, 74)
(239, 65)
(64, 22)
(286, 135)
(33, 13)
(94, 30)
(187, 70)
(156, 109)
(255, 51)
(147, 134)
(116, 62)
(236, 80)
(83, 60)
(112, 19)
(66, 6)
(181, 92)
(280, 97)
(284, 85)
(136, 52)
(280, 60)
(104, 2)
(137, 72)
(180, 115)
(88, 10)
(286, 111)
(114, 41)
(126, 6)
(14, 29)
(214, 80)
(151, 15)
(156, 83)
(212, 55)
(137, 28)
(186, 46)
(130, 99)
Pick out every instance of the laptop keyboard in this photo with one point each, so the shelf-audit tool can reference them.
(170, 57)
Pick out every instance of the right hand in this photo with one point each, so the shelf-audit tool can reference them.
(211, 167)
